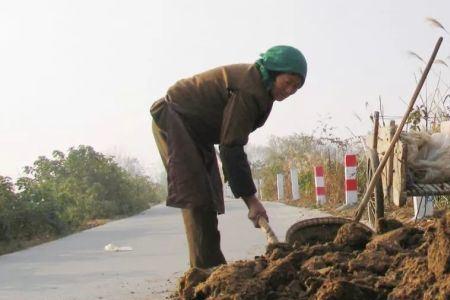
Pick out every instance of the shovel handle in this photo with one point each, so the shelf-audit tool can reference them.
(265, 227)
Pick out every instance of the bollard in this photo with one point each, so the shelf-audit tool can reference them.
(260, 182)
(294, 184)
(280, 187)
(227, 191)
(320, 185)
(258, 188)
(351, 185)
(423, 206)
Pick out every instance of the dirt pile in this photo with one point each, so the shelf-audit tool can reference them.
(405, 263)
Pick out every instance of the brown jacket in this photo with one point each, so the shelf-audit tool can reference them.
(221, 106)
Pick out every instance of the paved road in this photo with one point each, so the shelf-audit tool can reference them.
(78, 268)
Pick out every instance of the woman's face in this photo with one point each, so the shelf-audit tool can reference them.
(285, 85)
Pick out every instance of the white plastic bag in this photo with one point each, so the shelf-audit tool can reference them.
(114, 248)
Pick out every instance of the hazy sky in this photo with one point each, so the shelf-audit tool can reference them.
(86, 72)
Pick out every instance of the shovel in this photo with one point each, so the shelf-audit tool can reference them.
(325, 229)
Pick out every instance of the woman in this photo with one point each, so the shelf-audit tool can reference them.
(220, 106)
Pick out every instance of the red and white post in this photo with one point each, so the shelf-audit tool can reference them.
(351, 185)
(320, 185)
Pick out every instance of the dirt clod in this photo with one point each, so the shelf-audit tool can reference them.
(190, 280)
(344, 290)
(377, 262)
(439, 250)
(386, 225)
(398, 240)
(352, 235)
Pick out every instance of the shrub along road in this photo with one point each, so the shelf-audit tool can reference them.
(78, 267)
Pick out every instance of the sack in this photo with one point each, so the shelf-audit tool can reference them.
(428, 156)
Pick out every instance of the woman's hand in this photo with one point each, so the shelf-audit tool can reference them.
(255, 209)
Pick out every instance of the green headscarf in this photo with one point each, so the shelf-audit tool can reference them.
(285, 59)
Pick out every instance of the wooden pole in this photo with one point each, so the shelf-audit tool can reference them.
(379, 204)
(390, 169)
(376, 125)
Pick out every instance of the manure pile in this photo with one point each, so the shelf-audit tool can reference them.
(404, 263)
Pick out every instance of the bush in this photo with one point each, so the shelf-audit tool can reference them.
(63, 192)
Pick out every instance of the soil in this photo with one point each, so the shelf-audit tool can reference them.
(406, 262)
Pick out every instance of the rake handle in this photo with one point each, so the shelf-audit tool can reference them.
(377, 174)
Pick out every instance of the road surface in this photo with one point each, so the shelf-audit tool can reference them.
(78, 268)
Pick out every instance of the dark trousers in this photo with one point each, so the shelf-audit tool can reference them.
(200, 223)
